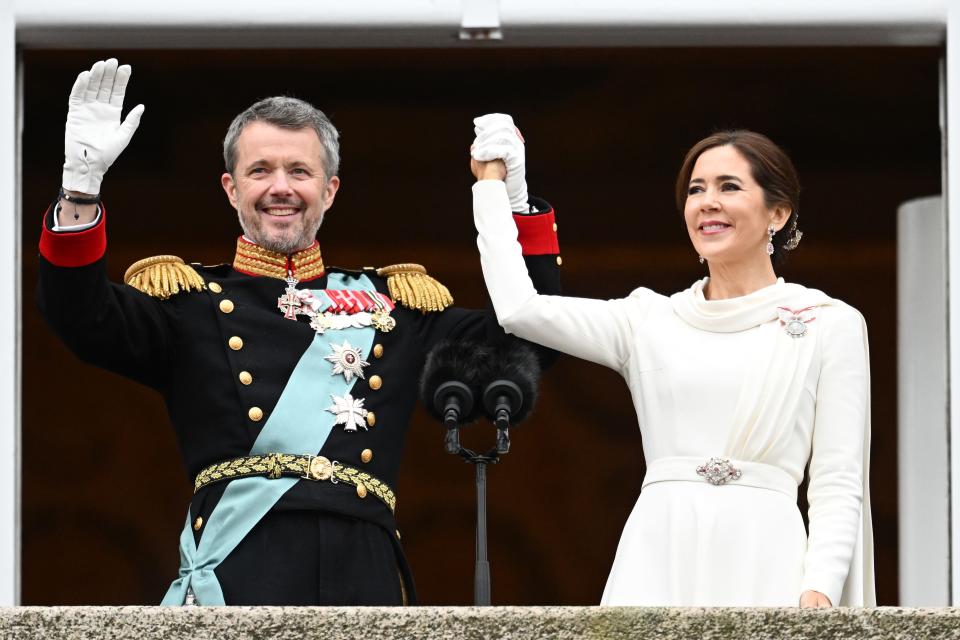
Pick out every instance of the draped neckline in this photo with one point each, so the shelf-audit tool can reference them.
(743, 312)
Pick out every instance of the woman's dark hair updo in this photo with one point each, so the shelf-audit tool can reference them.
(772, 170)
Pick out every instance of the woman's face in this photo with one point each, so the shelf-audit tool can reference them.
(725, 212)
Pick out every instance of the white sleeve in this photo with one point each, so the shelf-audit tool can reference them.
(595, 330)
(836, 486)
(74, 227)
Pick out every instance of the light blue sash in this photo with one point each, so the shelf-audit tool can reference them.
(300, 423)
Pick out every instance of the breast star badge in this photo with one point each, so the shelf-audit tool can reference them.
(347, 360)
(349, 412)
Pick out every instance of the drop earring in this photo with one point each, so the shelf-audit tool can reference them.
(770, 232)
(701, 259)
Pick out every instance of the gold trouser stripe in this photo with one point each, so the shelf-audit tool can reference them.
(277, 465)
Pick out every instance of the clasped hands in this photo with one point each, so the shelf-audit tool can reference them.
(497, 153)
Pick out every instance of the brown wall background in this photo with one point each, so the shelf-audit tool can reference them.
(103, 491)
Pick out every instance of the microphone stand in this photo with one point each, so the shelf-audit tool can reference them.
(499, 398)
(457, 369)
(481, 576)
(453, 400)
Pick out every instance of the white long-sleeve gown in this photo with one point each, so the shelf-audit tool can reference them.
(719, 379)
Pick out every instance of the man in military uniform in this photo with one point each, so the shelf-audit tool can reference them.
(289, 383)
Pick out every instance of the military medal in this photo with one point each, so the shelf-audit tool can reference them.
(347, 360)
(347, 309)
(382, 321)
(380, 318)
(323, 321)
(795, 322)
(290, 302)
(319, 323)
(337, 308)
(349, 412)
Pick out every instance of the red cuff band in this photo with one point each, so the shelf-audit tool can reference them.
(537, 233)
(74, 249)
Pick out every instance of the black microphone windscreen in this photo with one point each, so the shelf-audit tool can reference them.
(517, 362)
(452, 361)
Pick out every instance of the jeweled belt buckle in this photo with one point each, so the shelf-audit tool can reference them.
(718, 471)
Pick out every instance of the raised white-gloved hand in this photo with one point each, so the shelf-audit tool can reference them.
(499, 139)
(94, 135)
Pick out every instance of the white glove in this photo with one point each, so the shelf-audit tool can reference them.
(499, 139)
(94, 136)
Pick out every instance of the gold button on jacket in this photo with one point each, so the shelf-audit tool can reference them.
(366, 455)
(245, 377)
(378, 350)
(235, 343)
(226, 306)
(198, 523)
(376, 382)
(216, 288)
(255, 414)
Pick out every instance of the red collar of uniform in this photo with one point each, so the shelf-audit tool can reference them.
(254, 260)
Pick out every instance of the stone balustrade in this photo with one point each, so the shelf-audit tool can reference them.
(468, 623)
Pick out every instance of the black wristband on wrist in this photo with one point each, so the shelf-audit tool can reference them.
(78, 200)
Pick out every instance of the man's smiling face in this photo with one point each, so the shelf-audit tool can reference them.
(278, 186)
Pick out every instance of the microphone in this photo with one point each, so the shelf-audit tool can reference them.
(454, 373)
(449, 384)
(510, 396)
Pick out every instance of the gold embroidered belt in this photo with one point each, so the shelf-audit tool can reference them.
(278, 465)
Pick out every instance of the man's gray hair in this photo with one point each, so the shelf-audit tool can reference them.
(287, 113)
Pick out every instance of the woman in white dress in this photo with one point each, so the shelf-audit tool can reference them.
(738, 382)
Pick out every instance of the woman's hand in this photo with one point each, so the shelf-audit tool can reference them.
(492, 170)
(499, 138)
(814, 600)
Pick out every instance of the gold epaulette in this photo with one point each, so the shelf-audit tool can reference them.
(410, 285)
(163, 276)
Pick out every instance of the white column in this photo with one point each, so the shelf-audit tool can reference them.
(9, 317)
(922, 442)
(952, 196)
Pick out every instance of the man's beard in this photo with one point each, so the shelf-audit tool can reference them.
(287, 241)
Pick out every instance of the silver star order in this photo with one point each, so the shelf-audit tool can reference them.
(350, 413)
(346, 360)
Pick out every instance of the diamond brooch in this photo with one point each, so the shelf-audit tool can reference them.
(718, 471)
